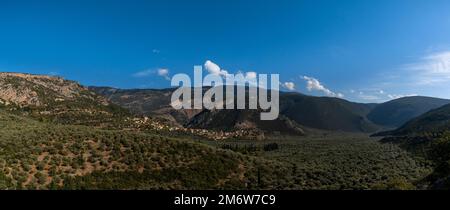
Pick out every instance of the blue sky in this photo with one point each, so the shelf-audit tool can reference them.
(361, 50)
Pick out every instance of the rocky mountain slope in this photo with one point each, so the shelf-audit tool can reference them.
(308, 111)
(228, 120)
(150, 102)
(50, 98)
(42, 91)
(315, 112)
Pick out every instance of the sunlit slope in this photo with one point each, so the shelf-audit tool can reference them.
(36, 155)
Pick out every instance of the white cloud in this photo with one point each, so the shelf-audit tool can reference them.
(164, 73)
(289, 85)
(144, 73)
(372, 97)
(213, 68)
(428, 74)
(314, 84)
(395, 96)
(431, 69)
(53, 73)
(377, 95)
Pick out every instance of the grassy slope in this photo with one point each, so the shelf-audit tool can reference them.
(40, 155)
(434, 121)
(340, 161)
(36, 155)
(48, 156)
(428, 136)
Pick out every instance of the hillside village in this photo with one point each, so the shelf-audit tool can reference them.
(147, 123)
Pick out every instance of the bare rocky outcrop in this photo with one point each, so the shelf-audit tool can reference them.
(41, 90)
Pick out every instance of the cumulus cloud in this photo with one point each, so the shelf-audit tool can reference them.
(314, 84)
(288, 85)
(213, 68)
(164, 73)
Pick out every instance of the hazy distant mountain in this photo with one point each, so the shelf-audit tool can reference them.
(434, 121)
(315, 112)
(327, 113)
(295, 110)
(397, 112)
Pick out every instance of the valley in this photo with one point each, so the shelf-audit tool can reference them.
(36, 155)
(338, 161)
(58, 134)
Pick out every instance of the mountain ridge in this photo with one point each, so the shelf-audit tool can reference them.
(433, 121)
(326, 113)
(397, 112)
(47, 95)
(141, 106)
